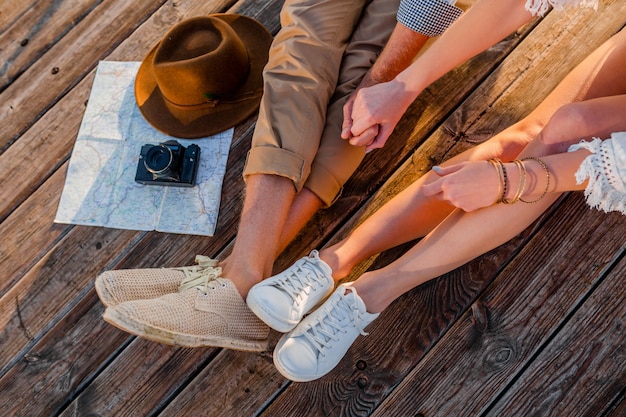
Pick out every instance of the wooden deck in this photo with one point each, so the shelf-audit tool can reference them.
(536, 327)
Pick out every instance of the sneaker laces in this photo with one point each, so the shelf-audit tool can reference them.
(303, 275)
(327, 329)
(199, 276)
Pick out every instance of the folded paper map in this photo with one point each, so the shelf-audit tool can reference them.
(100, 188)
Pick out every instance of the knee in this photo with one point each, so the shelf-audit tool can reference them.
(566, 126)
(509, 143)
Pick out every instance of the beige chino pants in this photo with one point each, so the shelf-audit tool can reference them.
(316, 60)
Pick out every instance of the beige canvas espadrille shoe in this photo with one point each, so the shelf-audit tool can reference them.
(209, 314)
(115, 287)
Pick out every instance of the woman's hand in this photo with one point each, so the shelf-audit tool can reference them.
(467, 185)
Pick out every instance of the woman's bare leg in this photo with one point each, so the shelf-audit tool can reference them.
(463, 236)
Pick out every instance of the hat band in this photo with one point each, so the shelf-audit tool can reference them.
(214, 102)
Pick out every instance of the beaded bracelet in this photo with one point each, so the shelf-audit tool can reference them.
(545, 168)
(505, 180)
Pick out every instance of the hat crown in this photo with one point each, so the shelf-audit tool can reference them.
(204, 76)
(199, 61)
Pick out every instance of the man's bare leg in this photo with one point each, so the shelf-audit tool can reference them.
(304, 206)
(272, 216)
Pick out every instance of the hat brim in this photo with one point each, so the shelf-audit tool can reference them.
(207, 121)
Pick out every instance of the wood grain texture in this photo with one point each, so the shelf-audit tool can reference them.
(513, 319)
(36, 30)
(581, 370)
(534, 316)
(65, 63)
(11, 10)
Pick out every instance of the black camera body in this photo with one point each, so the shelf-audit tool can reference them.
(168, 163)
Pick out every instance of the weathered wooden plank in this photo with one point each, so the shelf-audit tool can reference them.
(582, 371)
(66, 63)
(39, 384)
(29, 233)
(53, 287)
(11, 10)
(155, 372)
(36, 30)
(512, 321)
(42, 149)
(231, 387)
(619, 408)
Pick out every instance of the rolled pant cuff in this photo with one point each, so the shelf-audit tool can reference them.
(276, 161)
(324, 185)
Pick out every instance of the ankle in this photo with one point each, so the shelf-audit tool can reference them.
(371, 297)
(339, 267)
(243, 278)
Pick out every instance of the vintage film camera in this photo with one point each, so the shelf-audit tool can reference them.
(168, 163)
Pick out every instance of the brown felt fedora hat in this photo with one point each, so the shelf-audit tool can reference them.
(204, 76)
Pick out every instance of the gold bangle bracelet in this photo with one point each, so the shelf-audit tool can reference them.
(503, 177)
(545, 168)
(521, 184)
(499, 174)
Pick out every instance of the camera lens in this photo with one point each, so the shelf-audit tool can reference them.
(159, 159)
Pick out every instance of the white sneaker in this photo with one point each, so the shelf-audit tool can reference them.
(282, 300)
(317, 345)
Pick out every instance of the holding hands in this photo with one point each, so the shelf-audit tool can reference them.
(372, 113)
(375, 107)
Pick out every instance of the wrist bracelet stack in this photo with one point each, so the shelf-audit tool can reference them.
(521, 186)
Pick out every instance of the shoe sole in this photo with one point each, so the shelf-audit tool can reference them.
(156, 334)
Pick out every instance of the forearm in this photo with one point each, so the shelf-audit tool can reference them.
(417, 22)
(594, 118)
(482, 26)
(402, 47)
